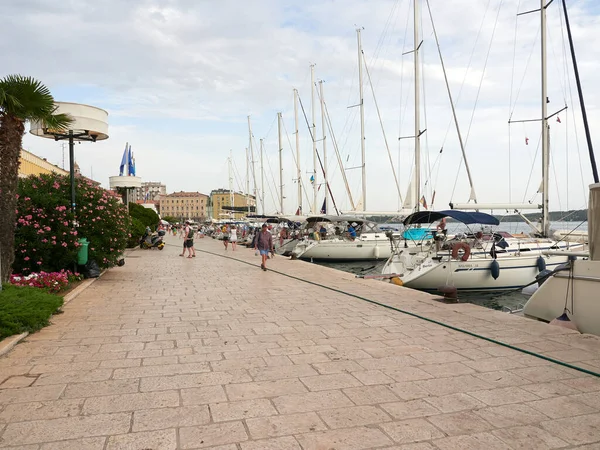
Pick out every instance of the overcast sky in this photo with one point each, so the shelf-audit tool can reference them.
(179, 78)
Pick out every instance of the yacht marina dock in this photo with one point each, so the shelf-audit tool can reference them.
(211, 352)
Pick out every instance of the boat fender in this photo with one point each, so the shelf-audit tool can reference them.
(542, 276)
(397, 281)
(461, 246)
(572, 258)
(495, 269)
(376, 252)
(541, 263)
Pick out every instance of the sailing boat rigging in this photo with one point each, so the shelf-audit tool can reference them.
(490, 261)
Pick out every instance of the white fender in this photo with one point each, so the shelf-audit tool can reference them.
(376, 252)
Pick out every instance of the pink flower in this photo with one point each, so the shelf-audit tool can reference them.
(26, 258)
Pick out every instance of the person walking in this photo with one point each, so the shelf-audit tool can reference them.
(188, 241)
(233, 237)
(264, 244)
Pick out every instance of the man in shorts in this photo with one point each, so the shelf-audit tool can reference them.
(188, 240)
(264, 244)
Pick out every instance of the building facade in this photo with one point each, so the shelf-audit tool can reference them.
(34, 165)
(222, 197)
(184, 205)
(150, 191)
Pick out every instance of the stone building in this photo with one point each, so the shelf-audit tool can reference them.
(222, 197)
(150, 191)
(184, 205)
(34, 165)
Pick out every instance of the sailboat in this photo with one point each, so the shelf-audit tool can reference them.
(480, 261)
(569, 297)
(326, 237)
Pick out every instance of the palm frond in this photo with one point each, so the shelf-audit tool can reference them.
(8, 101)
(26, 98)
(59, 122)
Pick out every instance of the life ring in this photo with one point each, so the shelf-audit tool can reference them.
(466, 248)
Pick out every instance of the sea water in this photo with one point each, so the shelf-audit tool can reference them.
(495, 300)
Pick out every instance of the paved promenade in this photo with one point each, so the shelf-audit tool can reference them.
(173, 353)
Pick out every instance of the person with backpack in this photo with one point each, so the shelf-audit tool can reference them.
(188, 240)
(264, 245)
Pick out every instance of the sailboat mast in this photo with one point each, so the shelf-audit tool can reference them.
(262, 178)
(545, 129)
(280, 141)
(248, 180)
(252, 162)
(362, 122)
(231, 196)
(324, 147)
(299, 172)
(314, 137)
(417, 44)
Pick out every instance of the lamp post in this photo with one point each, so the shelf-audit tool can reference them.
(90, 124)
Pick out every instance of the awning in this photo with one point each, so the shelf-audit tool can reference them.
(467, 218)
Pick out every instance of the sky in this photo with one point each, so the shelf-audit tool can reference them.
(179, 79)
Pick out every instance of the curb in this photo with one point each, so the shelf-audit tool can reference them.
(7, 344)
(79, 289)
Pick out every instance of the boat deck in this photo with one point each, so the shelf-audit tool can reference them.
(212, 352)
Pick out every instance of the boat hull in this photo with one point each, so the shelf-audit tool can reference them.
(342, 250)
(475, 274)
(549, 301)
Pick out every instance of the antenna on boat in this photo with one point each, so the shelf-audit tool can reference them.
(280, 162)
(417, 45)
(299, 172)
(362, 121)
(314, 139)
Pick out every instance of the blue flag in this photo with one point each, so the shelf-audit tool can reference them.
(131, 162)
(123, 161)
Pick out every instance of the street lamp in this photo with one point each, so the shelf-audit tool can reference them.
(89, 124)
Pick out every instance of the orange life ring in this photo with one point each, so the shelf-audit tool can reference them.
(466, 248)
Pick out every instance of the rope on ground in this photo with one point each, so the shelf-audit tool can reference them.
(418, 316)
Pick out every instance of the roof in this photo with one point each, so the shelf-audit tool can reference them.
(342, 218)
(468, 218)
(185, 194)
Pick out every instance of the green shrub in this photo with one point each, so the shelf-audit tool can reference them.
(170, 219)
(25, 309)
(146, 216)
(44, 238)
(137, 231)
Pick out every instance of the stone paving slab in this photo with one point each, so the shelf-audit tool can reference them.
(208, 352)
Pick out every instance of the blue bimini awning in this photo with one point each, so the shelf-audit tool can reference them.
(468, 218)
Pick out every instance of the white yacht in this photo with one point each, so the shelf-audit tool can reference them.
(571, 293)
(474, 261)
(327, 239)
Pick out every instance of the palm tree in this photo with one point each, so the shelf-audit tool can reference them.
(22, 99)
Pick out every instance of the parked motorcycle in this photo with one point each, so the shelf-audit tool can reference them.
(153, 240)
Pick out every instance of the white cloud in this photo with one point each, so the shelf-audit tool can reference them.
(179, 78)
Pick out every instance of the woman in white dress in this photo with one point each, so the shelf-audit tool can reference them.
(233, 238)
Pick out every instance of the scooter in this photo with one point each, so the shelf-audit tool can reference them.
(152, 240)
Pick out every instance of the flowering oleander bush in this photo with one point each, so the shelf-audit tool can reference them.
(45, 239)
(52, 282)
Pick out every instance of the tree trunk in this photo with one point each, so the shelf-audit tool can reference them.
(11, 137)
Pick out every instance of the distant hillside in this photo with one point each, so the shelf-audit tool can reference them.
(575, 215)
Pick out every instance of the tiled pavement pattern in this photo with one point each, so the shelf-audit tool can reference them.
(174, 353)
